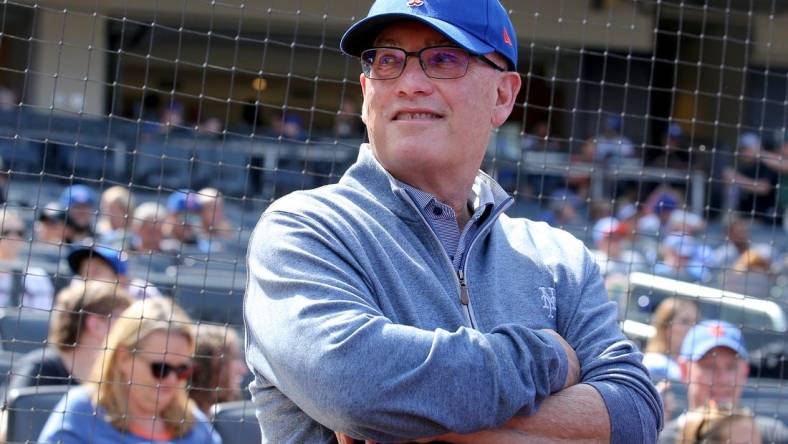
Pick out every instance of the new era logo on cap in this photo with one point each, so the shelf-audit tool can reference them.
(506, 38)
(415, 2)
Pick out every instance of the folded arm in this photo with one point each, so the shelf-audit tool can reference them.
(315, 332)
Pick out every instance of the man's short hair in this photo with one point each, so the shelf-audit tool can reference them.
(149, 212)
(78, 300)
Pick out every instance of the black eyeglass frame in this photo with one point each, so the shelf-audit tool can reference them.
(367, 68)
(161, 370)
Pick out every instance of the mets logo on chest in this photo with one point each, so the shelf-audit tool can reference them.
(414, 3)
(548, 300)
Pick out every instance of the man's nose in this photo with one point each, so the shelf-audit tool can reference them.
(413, 79)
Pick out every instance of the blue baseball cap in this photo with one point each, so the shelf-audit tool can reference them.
(613, 123)
(117, 259)
(479, 26)
(675, 131)
(76, 195)
(710, 334)
(183, 200)
(665, 202)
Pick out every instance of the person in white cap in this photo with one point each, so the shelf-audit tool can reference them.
(610, 248)
(401, 304)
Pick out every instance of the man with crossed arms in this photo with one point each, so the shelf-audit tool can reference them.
(401, 304)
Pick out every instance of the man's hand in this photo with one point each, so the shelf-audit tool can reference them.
(345, 439)
(573, 371)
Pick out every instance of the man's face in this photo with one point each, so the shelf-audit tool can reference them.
(81, 214)
(720, 376)
(420, 125)
(97, 269)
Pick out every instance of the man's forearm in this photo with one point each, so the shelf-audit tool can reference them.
(576, 414)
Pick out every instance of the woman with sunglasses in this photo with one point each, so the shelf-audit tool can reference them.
(141, 396)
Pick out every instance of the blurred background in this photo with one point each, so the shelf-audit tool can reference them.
(151, 135)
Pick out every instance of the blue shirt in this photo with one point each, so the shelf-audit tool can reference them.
(75, 421)
(443, 220)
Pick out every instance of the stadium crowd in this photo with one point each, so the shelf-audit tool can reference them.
(102, 238)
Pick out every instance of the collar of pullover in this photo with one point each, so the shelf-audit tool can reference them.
(368, 174)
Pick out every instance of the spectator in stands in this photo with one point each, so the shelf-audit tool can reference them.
(106, 264)
(214, 222)
(183, 220)
(112, 226)
(610, 249)
(147, 226)
(714, 366)
(753, 187)
(674, 153)
(562, 208)
(80, 204)
(611, 144)
(173, 120)
(578, 177)
(77, 334)
(348, 124)
(777, 162)
(20, 283)
(141, 391)
(211, 128)
(51, 228)
(737, 241)
(679, 260)
(219, 367)
(291, 128)
(671, 320)
(751, 275)
(9, 100)
(711, 425)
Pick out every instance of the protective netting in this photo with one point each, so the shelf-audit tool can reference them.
(140, 142)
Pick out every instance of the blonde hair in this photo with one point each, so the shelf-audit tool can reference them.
(135, 325)
(76, 302)
(207, 196)
(663, 318)
(710, 424)
(149, 212)
(117, 195)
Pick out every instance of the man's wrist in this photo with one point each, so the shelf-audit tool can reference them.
(558, 375)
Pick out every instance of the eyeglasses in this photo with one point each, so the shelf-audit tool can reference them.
(161, 370)
(437, 62)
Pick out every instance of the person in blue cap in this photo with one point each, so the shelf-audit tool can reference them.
(106, 264)
(183, 218)
(401, 304)
(79, 201)
(713, 362)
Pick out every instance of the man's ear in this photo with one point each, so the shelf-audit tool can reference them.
(363, 81)
(508, 86)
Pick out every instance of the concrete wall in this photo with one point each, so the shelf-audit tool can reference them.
(69, 64)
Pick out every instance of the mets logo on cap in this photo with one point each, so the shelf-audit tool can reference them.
(414, 3)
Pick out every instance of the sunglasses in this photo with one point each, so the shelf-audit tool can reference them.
(161, 370)
(9, 232)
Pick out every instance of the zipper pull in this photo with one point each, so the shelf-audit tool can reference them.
(464, 299)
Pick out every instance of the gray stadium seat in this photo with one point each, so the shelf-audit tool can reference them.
(23, 330)
(236, 422)
(28, 409)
